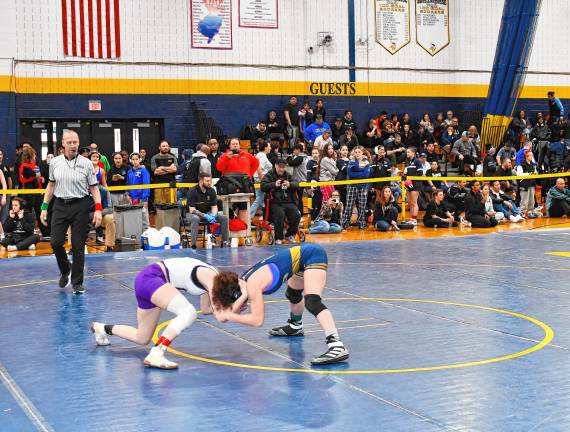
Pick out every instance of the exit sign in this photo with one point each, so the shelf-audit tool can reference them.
(94, 105)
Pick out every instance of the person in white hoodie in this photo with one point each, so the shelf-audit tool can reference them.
(264, 148)
(327, 170)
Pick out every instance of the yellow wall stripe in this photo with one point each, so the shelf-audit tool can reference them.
(248, 87)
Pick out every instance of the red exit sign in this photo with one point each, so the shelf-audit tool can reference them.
(94, 105)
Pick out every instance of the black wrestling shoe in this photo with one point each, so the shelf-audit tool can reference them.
(65, 279)
(78, 289)
(291, 329)
(337, 352)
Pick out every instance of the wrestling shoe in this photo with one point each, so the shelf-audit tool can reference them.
(101, 338)
(336, 353)
(291, 329)
(78, 289)
(156, 359)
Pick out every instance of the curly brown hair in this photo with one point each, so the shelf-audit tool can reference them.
(225, 290)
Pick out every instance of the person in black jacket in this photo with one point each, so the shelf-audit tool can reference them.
(386, 211)
(19, 228)
(475, 208)
(436, 214)
(282, 201)
(455, 200)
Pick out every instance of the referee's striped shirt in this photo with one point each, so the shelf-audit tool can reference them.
(72, 178)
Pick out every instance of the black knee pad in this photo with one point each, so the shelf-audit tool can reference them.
(293, 295)
(314, 304)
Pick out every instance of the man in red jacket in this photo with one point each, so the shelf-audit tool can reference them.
(237, 161)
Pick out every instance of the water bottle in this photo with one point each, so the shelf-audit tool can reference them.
(208, 241)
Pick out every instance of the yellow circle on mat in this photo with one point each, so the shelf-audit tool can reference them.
(548, 336)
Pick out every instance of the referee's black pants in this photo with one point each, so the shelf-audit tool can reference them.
(74, 214)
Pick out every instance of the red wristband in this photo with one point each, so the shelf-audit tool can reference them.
(98, 207)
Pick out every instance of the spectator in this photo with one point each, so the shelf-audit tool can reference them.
(410, 138)
(425, 164)
(320, 109)
(474, 136)
(437, 215)
(100, 173)
(521, 127)
(558, 129)
(202, 203)
(439, 128)
(349, 138)
(261, 131)
(475, 208)
(426, 123)
(503, 203)
(342, 164)
(555, 155)
(263, 149)
(385, 211)
(349, 121)
(44, 168)
(520, 154)
(466, 152)
(558, 200)
(327, 170)
(200, 163)
(358, 168)
(489, 208)
(163, 166)
(19, 228)
(108, 220)
(139, 175)
(455, 201)
(449, 118)
(506, 170)
(431, 154)
(282, 201)
(31, 178)
(118, 177)
(541, 133)
(396, 123)
(323, 140)
(489, 163)
(291, 115)
(214, 156)
(312, 176)
(432, 185)
(328, 220)
(425, 138)
(413, 167)
(297, 164)
(448, 139)
(506, 152)
(275, 153)
(274, 128)
(145, 161)
(526, 187)
(372, 135)
(555, 107)
(305, 116)
(337, 129)
(316, 129)
(3, 201)
(104, 162)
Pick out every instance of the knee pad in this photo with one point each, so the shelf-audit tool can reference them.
(314, 304)
(185, 313)
(293, 295)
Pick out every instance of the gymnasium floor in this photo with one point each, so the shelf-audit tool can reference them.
(466, 333)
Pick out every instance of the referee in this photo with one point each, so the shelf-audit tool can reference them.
(71, 180)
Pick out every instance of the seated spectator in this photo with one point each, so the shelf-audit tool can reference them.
(520, 154)
(432, 185)
(19, 228)
(455, 200)
(263, 147)
(489, 208)
(348, 121)
(506, 170)
(426, 123)
(526, 187)
(506, 152)
(108, 220)
(275, 153)
(139, 175)
(282, 201)
(555, 155)
(274, 128)
(558, 200)
(358, 168)
(323, 140)
(328, 220)
(410, 138)
(260, 131)
(466, 153)
(489, 163)
(349, 138)
(337, 129)
(503, 203)
(425, 164)
(117, 176)
(448, 139)
(474, 136)
(436, 214)
(425, 138)
(439, 128)
(372, 135)
(104, 162)
(320, 109)
(202, 203)
(475, 211)
(316, 129)
(558, 129)
(395, 150)
(385, 211)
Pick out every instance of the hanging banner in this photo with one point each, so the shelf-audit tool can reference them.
(211, 24)
(392, 24)
(432, 25)
(258, 13)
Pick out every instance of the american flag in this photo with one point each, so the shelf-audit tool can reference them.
(91, 28)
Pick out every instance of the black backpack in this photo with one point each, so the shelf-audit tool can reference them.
(192, 170)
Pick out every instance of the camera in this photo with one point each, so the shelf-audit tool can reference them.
(334, 200)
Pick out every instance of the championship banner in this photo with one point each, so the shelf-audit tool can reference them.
(211, 22)
(392, 24)
(258, 13)
(432, 25)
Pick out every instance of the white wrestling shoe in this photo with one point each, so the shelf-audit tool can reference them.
(337, 352)
(156, 359)
(101, 338)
